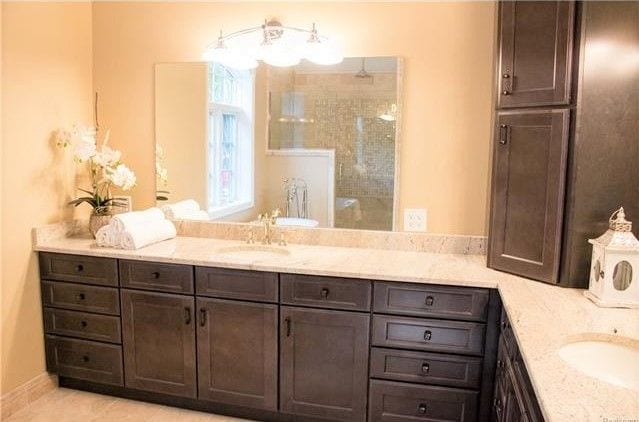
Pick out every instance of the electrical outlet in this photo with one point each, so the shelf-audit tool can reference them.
(415, 219)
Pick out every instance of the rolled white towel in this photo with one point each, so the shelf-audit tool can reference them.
(144, 234)
(200, 215)
(173, 211)
(127, 220)
(107, 237)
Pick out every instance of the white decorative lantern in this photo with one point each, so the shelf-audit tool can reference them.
(614, 270)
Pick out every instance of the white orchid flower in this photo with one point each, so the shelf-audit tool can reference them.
(107, 157)
(83, 140)
(122, 177)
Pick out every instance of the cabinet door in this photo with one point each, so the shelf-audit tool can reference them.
(324, 363)
(535, 58)
(159, 342)
(237, 352)
(529, 167)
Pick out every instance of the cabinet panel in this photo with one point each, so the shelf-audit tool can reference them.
(78, 269)
(324, 363)
(80, 297)
(237, 352)
(431, 301)
(426, 368)
(82, 324)
(326, 292)
(528, 191)
(85, 360)
(535, 61)
(172, 278)
(429, 334)
(400, 402)
(236, 284)
(159, 342)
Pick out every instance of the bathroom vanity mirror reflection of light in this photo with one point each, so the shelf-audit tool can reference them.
(318, 142)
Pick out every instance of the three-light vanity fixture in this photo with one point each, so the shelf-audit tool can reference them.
(274, 44)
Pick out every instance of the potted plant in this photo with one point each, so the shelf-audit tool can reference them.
(106, 171)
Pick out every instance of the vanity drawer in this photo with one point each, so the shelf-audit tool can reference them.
(398, 402)
(426, 368)
(172, 278)
(429, 334)
(325, 292)
(236, 284)
(83, 325)
(78, 269)
(103, 300)
(85, 360)
(462, 303)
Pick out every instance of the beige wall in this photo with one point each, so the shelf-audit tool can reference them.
(46, 84)
(181, 114)
(448, 53)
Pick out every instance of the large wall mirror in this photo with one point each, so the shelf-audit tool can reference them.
(320, 143)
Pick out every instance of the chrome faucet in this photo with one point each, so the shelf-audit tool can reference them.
(268, 221)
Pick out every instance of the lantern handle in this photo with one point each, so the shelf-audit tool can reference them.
(621, 215)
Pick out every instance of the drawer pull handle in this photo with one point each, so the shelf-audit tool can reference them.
(81, 296)
(430, 300)
(202, 317)
(287, 320)
(422, 409)
(425, 368)
(504, 325)
(428, 335)
(187, 315)
(155, 275)
(83, 323)
(500, 363)
(79, 268)
(85, 358)
(325, 293)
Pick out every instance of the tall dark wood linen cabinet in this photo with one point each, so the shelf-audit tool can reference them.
(566, 147)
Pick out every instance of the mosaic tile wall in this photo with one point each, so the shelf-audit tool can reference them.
(341, 112)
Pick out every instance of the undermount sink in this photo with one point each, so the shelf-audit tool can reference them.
(254, 251)
(614, 362)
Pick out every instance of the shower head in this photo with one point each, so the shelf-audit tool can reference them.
(362, 72)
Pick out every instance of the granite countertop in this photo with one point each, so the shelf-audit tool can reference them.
(543, 317)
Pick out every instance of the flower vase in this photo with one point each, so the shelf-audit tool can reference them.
(97, 220)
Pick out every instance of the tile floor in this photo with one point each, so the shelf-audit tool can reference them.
(64, 405)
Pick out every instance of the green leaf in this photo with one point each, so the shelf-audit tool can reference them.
(87, 191)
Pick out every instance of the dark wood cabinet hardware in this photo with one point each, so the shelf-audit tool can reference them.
(421, 409)
(287, 321)
(425, 368)
(324, 293)
(79, 268)
(187, 315)
(427, 335)
(203, 316)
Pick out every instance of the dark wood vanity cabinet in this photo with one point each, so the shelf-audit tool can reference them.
(237, 352)
(158, 332)
(278, 347)
(565, 144)
(528, 192)
(324, 363)
(535, 54)
(514, 399)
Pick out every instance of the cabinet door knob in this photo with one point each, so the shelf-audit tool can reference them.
(155, 275)
(187, 315)
(425, 368)
(83, 323)
(325, 293)
(202, 317)
(85, 358)
(500, 363)
(430, 300)
(505, 76)
(421, 409)
(81, 296)
(287, 321)
(79, 268)
(428, 335)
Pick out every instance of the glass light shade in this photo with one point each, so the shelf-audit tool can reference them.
(322, 52)
(230, 58)
(277, 54)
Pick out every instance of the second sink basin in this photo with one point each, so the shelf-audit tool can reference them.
(254, 251)
(614, 362)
